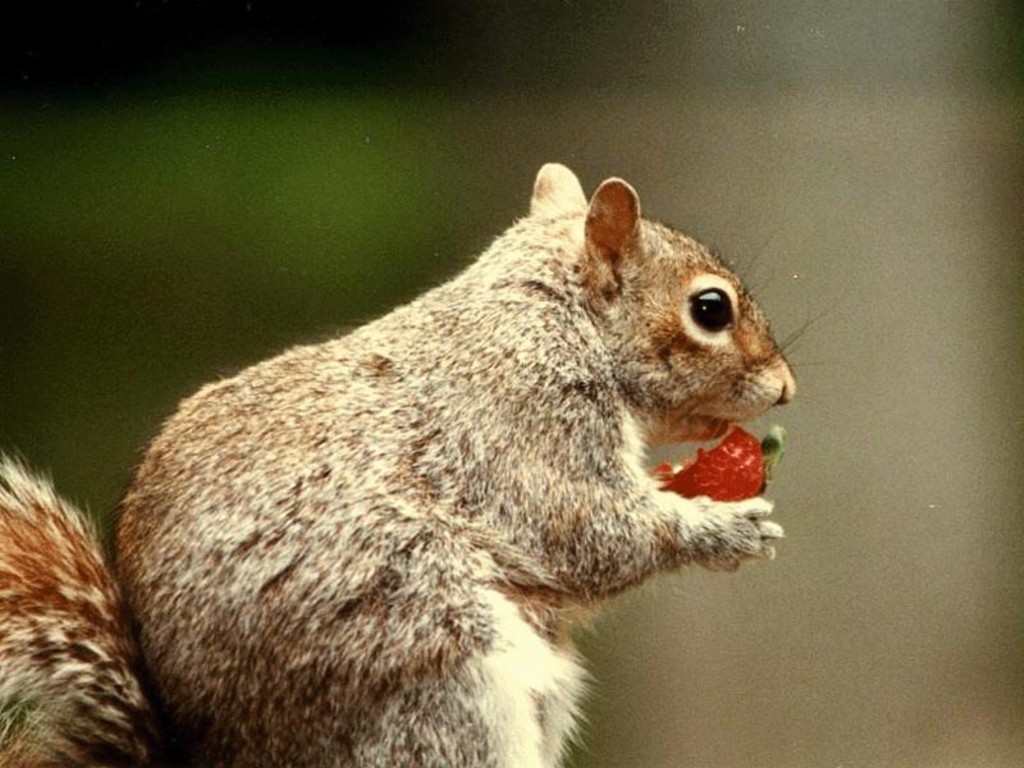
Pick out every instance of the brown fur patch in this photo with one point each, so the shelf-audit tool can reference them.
(377, 365)
(64, 635)
(545, 610)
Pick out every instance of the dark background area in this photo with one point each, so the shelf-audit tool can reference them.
(189, 187)
(83, 47)
(94, 45)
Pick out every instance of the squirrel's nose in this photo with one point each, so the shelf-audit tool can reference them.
(788, 381)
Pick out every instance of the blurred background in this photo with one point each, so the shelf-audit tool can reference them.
(187, 187)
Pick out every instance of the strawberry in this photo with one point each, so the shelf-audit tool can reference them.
(735, 469)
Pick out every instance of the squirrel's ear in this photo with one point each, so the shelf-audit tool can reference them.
(613, 221)
(557, 191)
(612, 229)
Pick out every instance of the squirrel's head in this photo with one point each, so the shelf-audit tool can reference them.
(692, 350)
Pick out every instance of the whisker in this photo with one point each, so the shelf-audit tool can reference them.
(761, 249)
(789, 342)
(804, 364)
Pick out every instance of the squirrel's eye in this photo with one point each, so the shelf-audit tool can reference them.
(711, 310)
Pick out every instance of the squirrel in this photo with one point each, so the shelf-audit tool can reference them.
(372, 551)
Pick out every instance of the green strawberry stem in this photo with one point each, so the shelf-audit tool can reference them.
(774, 448)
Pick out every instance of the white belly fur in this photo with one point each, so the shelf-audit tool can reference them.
(529, 691)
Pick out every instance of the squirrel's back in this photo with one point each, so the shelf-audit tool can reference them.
(315, 528)
(69, 669)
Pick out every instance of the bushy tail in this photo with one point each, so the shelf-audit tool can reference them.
(69, 688)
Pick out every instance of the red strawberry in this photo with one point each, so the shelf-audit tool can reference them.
(731, 471)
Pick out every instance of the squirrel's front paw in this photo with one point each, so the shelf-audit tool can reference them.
(731, 532)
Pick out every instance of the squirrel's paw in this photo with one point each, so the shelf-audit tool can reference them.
(730, 532)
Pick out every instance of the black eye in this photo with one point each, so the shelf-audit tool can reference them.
(711, 310)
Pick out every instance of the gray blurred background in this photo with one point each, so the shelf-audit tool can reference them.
(188, 187)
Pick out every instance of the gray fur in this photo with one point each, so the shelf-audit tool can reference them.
(370, 551)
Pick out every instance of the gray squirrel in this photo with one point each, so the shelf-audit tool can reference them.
(371, 551)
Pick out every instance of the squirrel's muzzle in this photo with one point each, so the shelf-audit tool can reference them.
(786, 381)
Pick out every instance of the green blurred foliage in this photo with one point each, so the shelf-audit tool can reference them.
(150, 243)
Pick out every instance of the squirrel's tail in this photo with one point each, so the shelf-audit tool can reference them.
(70, 691)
